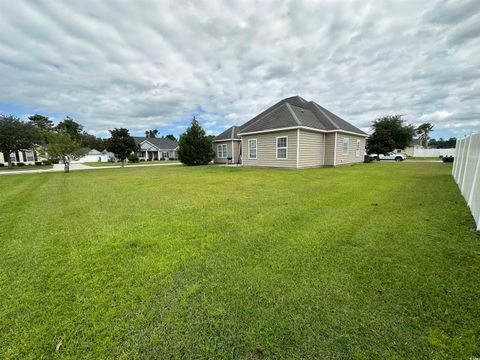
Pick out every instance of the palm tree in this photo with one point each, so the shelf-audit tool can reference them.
(424, 132)
(151, 133)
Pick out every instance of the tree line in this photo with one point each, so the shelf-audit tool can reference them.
(68, 141)
(391, 132)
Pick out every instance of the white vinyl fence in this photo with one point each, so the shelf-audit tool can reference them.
(466, 172)
(433, 152)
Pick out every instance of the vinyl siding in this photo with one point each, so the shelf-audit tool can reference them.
(236, 149)
(311, 149)
(266, 149)
(329, 148)
(351, 157)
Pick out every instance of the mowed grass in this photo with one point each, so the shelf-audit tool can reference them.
(368, 261)
(97, 164)
(26, 168)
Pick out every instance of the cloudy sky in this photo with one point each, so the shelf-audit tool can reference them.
(153, 64)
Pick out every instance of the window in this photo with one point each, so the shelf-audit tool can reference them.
(282, 146)
(13, 157)
(346, 143)
(29, 156)
(252, 148)
(357, 149)
(222, 151)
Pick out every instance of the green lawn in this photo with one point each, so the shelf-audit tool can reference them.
(369, 261)
(128, 164)
(26, 167)
(424, 158)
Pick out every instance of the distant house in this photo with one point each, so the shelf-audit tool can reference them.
(96, 156)
(416, 144)
(157, 148)
(292, 133)
(27, 157)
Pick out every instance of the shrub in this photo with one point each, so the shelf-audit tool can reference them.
(2, 164)
(20, 164)
(133, 158)
(142, 159)
(162, 158)
(447, 159)
(38, 163)
(47, 162)
(171, 158)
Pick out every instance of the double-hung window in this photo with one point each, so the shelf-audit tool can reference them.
(282, 147)
(357, 149)
(29, 156)
(222, 151)
(346, 144)
(252, 148)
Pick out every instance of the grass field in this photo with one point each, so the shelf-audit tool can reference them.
(369, 261)
(127, 163)
(26, 167)
(424, 158)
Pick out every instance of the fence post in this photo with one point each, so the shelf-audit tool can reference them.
(461, 145)
(455, 159)
(466, 167)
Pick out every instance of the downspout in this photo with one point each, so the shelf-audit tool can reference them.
(298, 147)
(335, 151)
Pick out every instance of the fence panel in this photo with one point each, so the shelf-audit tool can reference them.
(433, 152)
(466, 172)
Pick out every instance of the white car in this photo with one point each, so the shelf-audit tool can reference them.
(392, 156)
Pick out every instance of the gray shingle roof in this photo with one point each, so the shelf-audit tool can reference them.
(161, 143)
(296, 111)
(230, 133)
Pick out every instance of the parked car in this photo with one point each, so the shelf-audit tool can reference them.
(392, 156)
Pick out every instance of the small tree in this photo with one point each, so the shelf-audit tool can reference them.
(424, 132)
(62, 146)
(16, 135)
(195, 148)
(389, 132)
(121, 144)
(151, 133)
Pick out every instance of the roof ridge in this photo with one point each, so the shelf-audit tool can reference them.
(324, 114)
(293, 114)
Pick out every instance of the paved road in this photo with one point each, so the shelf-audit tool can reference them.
(76, 167)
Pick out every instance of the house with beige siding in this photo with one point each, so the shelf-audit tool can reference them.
(293, 133)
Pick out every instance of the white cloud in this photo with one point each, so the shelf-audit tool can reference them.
(146, 64)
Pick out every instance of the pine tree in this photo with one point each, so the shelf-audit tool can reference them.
(195, 148)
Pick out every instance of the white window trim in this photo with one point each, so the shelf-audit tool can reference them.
(224, 154)
(256, 149)
(29, 154)
(277, 148)
(343, 145)
(357, 148)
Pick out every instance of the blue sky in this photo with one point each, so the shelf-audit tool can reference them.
(154, 64)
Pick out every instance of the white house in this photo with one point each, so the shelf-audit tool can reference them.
(28, 157)
(96, 156)
(156, 148)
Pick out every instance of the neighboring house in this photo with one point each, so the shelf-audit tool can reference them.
(292, 133)
(416, 144)
(27, 157)
(96, 156)
(156, 148)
